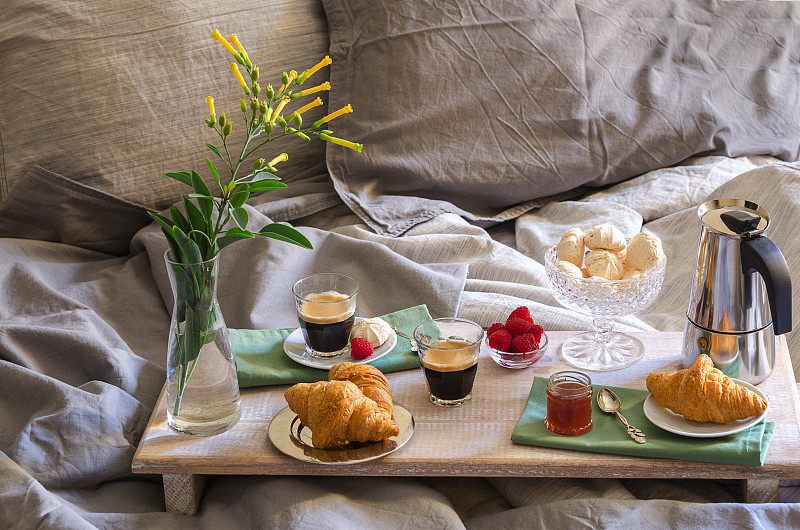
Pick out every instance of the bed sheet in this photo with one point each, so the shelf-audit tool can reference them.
(83, 334)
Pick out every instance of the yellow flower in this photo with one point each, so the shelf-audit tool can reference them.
(210, 103)
(235, 70)
(235, 40)
(324, 86)
(283, 157)
(225, 43)
(332, 139)
(316, 103)
(280, 106)
(329, 117)
(308, 73)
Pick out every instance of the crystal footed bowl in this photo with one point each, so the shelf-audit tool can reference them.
(603, 300)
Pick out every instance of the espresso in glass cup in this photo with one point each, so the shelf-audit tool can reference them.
(448, 352)
(326, 307)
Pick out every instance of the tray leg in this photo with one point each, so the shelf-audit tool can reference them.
(182, 493)
(759, 490)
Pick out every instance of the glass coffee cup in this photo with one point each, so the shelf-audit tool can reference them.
(326, 307)
(448, 352)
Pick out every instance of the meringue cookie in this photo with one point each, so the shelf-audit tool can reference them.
(604, 264)
(567, 267)
(631, 274)
(605, 237)
(571, 248)
(644, 251)
(375, 330)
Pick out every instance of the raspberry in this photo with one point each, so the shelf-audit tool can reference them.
(500, 340)
(537, 331)
(360, 348)
(517, 326)
(494, 327)
(525, 343)
(523, 313)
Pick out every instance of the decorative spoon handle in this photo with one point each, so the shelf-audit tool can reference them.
(633, 432)
(411, 340)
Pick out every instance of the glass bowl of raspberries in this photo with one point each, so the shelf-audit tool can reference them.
(517, 343)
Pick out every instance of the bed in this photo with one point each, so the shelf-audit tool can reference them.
(492, 130)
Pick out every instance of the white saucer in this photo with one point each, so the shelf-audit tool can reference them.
(675, 423)
(295, 347)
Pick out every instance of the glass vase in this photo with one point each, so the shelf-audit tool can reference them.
(202, 389)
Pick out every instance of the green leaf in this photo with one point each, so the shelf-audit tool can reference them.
(240, 197)
(199, 186)
(173, 245)
(182, 176)
(165, 222)
(285, 233)
(214, 149)
(263, 185)
(203, 198)
(264, 175)
(214, 171)
(232, 236)
(194, 335)
(178, 219)
(189, 249)
(196, 217)
(241, 217)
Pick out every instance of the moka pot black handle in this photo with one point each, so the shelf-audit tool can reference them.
(761, 255)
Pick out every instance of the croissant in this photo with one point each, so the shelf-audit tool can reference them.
(337, 413)
(368, 379)
(703, 393)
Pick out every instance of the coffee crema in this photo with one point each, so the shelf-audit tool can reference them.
(327, 307)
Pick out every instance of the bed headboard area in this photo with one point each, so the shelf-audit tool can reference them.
(481, 109)
(112, 94)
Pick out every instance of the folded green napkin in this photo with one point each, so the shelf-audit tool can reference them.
(260, 359)
(608, 434)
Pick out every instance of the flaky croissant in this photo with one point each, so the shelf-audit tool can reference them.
(368, 379)
(703, 393)
(337, 413)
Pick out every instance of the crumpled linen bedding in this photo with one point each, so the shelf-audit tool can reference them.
(83, 332)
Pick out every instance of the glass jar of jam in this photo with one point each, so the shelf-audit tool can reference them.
(569, 403)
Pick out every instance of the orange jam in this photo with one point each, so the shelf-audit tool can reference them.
(569, 403)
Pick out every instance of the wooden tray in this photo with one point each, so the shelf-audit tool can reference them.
(471, 440)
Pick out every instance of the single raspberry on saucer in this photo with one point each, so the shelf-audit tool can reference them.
(360, 348)
(500, 340)
(525, 343)
(537, 331)
(494, 327)
(522, 312)
(517, 326)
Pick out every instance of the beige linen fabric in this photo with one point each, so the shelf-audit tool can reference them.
(111, 94)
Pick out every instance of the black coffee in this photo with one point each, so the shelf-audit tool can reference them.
(449, 386)
(450, 369)
(327, 337)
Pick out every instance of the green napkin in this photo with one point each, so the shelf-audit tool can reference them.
(260, 359)
(608, 434)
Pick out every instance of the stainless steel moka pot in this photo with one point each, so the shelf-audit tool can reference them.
(741, 296)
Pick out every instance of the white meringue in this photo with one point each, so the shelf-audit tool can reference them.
(375, 330)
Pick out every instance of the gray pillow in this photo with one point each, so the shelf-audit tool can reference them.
(486, 109)
(112, 94)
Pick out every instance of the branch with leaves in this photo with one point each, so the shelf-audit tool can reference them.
(204, 228)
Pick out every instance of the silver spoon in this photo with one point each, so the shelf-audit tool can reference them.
(609, 402)
(412, 341)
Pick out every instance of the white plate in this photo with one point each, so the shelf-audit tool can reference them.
(669, 421)
(295, 347)
(291, 437)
